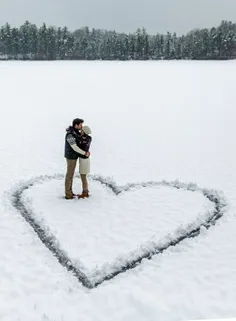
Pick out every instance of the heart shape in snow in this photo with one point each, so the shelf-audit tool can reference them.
(117, 227)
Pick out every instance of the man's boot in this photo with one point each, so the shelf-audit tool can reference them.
(69, 196)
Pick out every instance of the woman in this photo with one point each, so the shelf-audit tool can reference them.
(84, 160)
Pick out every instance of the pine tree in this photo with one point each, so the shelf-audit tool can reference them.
(15, 36)
(125, 47)
(145, 44)
(205, 50)
(173, 46)
(131, 47)
(139, 45)
(6, 40)
(24, 40)
(213, 43)
(43, 42)
(167, 53)
(33, 41)
(84, 44)
(71, 45)
(51, 43)
(229, 43)
(93, 48)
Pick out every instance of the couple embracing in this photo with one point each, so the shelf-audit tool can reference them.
(77, 144)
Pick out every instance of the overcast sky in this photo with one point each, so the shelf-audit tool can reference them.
(122, 15)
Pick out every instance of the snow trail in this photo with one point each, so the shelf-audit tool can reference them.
(129, 262)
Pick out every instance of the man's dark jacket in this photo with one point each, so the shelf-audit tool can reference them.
(83, 142)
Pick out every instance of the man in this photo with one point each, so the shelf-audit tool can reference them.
(72, 152)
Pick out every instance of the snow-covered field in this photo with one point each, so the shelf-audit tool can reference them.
(151, 122)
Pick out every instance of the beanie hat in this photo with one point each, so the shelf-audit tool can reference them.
(87, 130)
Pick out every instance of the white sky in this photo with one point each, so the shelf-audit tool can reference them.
(122, 15)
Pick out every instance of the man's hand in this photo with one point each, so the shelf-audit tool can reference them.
(87, 154)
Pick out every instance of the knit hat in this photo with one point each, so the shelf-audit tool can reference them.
(86, 130)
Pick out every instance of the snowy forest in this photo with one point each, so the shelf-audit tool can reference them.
(29, 42)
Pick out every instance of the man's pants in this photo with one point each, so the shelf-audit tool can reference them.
(71, 164)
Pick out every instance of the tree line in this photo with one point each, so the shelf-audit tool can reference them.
(29, 42)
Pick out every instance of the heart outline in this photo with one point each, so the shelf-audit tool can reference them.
(50, 241)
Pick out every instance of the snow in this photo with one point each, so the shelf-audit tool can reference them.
(218, 319)
(94, 235)
(151, 121)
